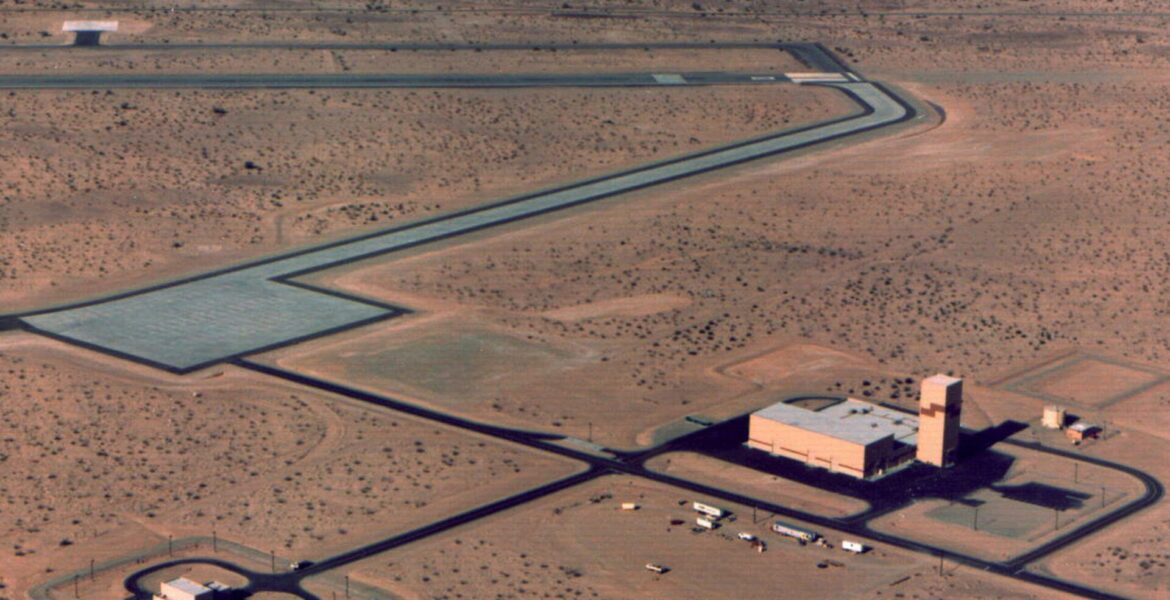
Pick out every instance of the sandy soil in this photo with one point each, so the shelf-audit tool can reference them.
(108, 189)
(1089, 382)
(404, 61)
(581, 544)
(710, 471)
(111, 458)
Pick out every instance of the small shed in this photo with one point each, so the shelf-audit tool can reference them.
(1080, 431)
(1054, 417)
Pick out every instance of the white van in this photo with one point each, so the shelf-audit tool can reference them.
(855, 547)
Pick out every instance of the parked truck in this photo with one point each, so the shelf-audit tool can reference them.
(855, 547)
(791, 530)
(711, 511)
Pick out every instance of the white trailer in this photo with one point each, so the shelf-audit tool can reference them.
(706, 523)
(629, 506)
(711, 511)
(790, 530)
(855, 547)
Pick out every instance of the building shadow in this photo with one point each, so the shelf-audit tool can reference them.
(971, 443)
(1043, 495)
(87, 38)
(978, 467)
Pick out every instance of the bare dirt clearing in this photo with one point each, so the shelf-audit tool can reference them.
(578, 542)
(260, 60)
(112, 458)
(116, 188)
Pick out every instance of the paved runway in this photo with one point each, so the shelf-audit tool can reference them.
(207, 320)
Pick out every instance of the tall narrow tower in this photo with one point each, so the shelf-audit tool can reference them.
(938, 420)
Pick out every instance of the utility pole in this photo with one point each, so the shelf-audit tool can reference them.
(1055, 519)
(975, 520)
(1076, 471)
(753, 514)
(347, 586)
(1102, 496)
(214, 542)
(91, 569)
(272, 553)
(75, 594)
(941, 555)
(591, 432)
(171, 544)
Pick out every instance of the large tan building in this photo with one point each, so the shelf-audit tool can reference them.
(862, 439)
(938, 420)
(853, 437)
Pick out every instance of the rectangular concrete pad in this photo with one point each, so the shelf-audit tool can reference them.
(196, 323)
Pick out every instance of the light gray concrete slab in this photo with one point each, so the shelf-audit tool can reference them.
(189, 325)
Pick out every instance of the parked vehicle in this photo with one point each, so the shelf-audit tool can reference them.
(855, 547)
(711, 511)
(657, 568)
(790, 530)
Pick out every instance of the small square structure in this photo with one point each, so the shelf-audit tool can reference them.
(1081, 431)
(184, 589)
(1054, 417)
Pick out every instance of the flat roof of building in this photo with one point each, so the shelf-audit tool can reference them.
(186, 585)
(851, 420)
(944, 380)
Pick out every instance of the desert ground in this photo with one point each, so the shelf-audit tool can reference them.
(579, 543)
(112, 459)
(530, 60)
(136, 186)
(1024, 224)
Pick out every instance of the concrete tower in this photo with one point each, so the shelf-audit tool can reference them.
(938, 420)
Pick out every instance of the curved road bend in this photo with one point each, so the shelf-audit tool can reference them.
(632, 463)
